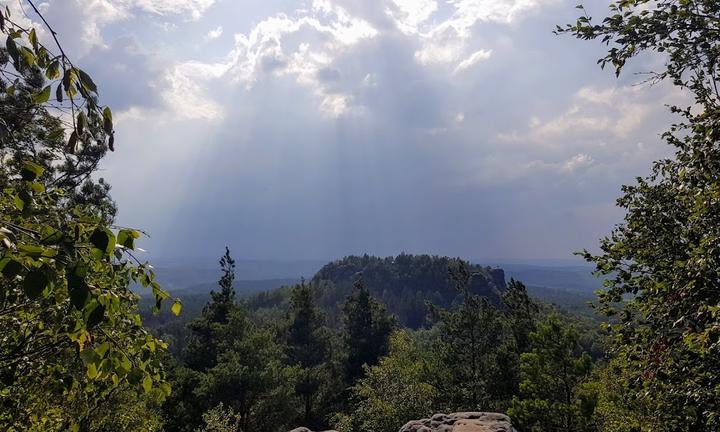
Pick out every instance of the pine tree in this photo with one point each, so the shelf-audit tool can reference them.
(308, 350)
(366, 331)
(467, 346)
(202, 350)
(550, 373)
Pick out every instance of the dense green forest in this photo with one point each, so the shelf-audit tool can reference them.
(355, 372)
(368, 343)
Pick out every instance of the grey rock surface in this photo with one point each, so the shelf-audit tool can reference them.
(304, 429)
(461, 422)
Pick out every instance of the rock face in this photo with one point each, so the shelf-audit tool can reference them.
(304, 429)
(461, 422)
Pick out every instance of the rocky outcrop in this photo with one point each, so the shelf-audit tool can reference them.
(304, 429)
(461, 422)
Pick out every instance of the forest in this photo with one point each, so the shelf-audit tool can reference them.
(368, 343)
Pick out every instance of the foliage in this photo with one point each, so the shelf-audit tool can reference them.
(232, 363)
(128, 410)
(618, 409)
(249, 378)
(404, 283)
(72, 336)
(550, 375)
(202, 350)
(308, 348)
(395, 391)
(521, 312)
(468, 343)
(366, 331)
(220, 419)
(662, 261)
(684, 31)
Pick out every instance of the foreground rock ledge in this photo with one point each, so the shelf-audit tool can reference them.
(304, 429)
(461, 422)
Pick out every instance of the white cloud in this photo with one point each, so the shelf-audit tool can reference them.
(300, 47)
(214, 33)
(186, 92)
(474, 58)
(410, 14)
(580, 160)
(192, 8)
(446, 40)
(594, 112)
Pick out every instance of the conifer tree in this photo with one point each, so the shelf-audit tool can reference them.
(550, 374)
(366, 331)
(308, 350)
(202, 350)
(470, 336)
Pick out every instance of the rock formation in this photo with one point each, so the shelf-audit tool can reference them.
(304, 429)
(461, 422)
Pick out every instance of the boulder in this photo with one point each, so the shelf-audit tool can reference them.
(304, 429)
(461, 422)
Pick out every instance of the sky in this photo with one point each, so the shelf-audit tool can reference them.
(316, 129)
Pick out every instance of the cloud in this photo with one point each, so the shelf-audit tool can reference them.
(474, 58)
(192, 8)
(452, 126)
(579, 161)
(214, 33)
(186, 92)
(593, 112)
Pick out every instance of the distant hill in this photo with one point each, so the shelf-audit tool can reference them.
(575, 278)
(403, 283)
(242, 287)
(189, 274)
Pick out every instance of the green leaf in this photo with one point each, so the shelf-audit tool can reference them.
(176, 308)
(10, 267)
(92, 371)
(103, 239)
(53, 72)
(126, 237)
(134, 376)
(19, 202)
(35, 283)
(32, 37)
(28, 55)
(23, 202)
(86, 81)
(102, 349)
(147, 383)
(30, 171)
(69, 82)
(165, 388)
(50, 235)
(90, 356)
(37, 187)
(81, 122)
(12, 48)
(79, 290)
(42, 97)
(59, 93)
(31, 250)
(72, 142)
(96, 315)
(107, 120)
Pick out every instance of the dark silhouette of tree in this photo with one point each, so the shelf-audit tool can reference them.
(366, 331)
